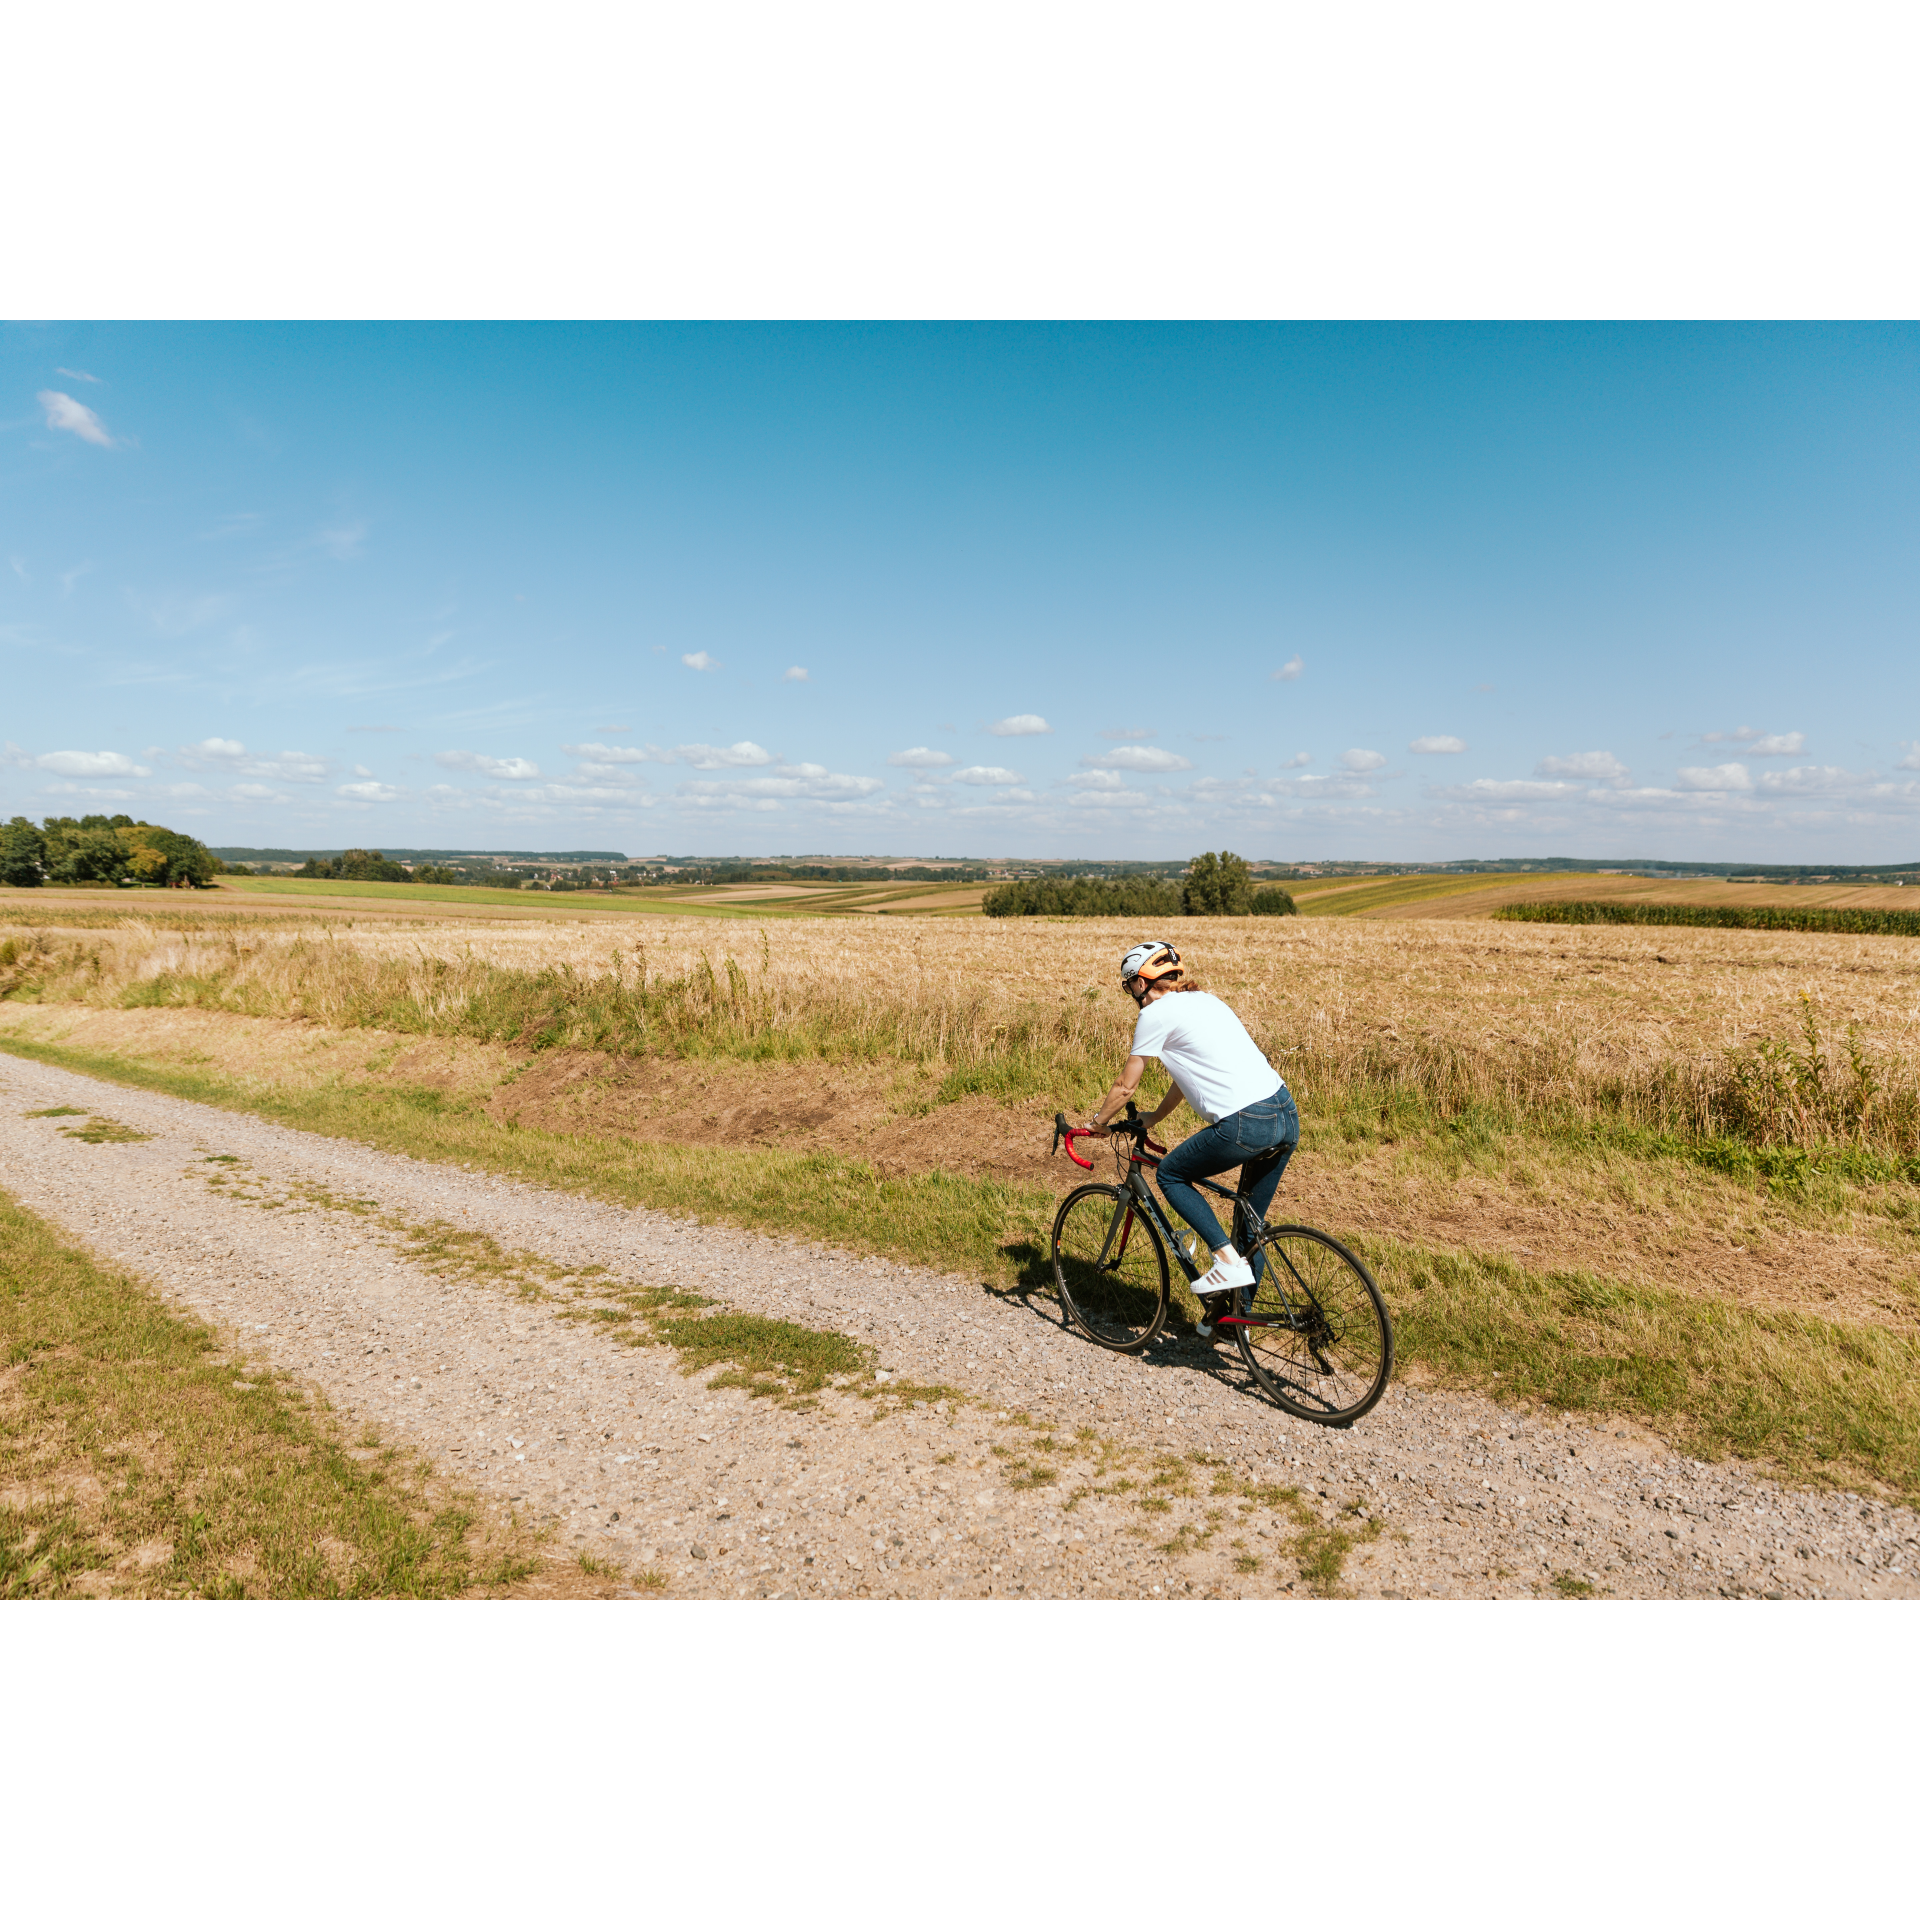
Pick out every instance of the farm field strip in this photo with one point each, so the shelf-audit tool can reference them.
(1013, 1489)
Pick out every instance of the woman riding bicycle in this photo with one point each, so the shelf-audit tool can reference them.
(1251, 1121)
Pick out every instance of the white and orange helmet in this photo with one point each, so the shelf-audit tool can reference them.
(1149, 963)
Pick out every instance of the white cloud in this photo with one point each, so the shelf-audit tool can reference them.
(365, 773)
(743, 753)
(1597, 765)
(1019, 723)
(920, 757)
(1436, 743)
(1125, 798)
(700, 662)
(796, 673)
(74, 373)
(987, 777)
(230, 757)
(1811, 780)
(804, 781)
(1291, 671)
(1510, 790)
(1299, 760)
(1731, 778)
(1910, 761)
(515, 769)
(617, 756)
(1362, 760)
(368, 790)
(80, 766)
(1751, 740)
(1096, 782)
(250, 792)
(1138, 760)
(69, 416)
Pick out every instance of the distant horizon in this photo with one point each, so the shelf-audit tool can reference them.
(1397, 591)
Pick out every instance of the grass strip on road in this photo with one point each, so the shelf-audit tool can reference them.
(1825, 1403)
(140, 1463)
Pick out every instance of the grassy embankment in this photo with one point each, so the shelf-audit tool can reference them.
(1821, 1398)
(142, 1463)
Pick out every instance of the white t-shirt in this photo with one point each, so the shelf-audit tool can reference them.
(1210, 1055)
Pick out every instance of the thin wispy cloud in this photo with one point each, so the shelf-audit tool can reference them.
(1138, 760)
(65, 414)
(920, 757)
(1751, 740)
(485, 763)
(342, 542)
(1018, 724)
(796, 673)
(613, 729)
(1291, 671)
(1436, 743)
(1362, 760)
(1596, 765)
(1127, 733)
(75, 373)
(743, 753)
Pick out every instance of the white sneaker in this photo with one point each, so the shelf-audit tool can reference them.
(1229, 1269)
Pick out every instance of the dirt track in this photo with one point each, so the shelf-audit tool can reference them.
(726, 1495)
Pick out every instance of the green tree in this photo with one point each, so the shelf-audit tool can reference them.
(1217, 883)
(1273, 900)
(23, 853)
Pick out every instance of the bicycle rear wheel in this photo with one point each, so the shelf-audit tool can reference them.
(1321, 1344)
(1110, 1268)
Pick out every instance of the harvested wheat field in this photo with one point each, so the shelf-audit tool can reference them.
(1670, 1178)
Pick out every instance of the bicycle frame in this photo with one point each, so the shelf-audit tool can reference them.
(1148, 1203)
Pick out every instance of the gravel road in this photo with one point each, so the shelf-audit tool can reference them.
(295, 1249)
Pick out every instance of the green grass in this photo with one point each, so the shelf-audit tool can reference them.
(1828, 1403)
(1647, 913)
(152, 1466)
(1340, 898)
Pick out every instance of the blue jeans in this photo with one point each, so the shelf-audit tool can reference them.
(1232, 1142)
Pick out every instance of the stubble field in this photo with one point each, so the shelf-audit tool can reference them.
(1666, 1176)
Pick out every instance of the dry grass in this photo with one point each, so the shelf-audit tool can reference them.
(1770, 1040)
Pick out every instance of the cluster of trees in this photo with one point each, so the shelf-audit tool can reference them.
(101, 850)
(1214, 883)
(359, 863)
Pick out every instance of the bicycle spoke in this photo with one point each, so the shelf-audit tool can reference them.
(1110, 1267)
(1321, 1344)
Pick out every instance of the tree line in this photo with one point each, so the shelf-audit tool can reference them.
(101, 850)
(1214, 883)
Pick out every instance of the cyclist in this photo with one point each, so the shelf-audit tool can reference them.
(1251, 1121)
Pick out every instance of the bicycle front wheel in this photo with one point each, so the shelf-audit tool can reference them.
(1110, 1268)
(1319, 1343)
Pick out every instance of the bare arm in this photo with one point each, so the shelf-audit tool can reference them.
(1124, 1089)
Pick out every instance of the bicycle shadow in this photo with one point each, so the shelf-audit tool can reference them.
(1178, 1349)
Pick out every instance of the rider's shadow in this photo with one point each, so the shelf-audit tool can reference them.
(1176, 1350)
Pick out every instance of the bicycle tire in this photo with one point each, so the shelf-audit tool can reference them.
(1326, 1353)
(1109, 1268)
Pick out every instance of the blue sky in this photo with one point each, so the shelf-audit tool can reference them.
(1106, 590)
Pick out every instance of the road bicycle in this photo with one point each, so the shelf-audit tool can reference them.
(1314, 1334)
